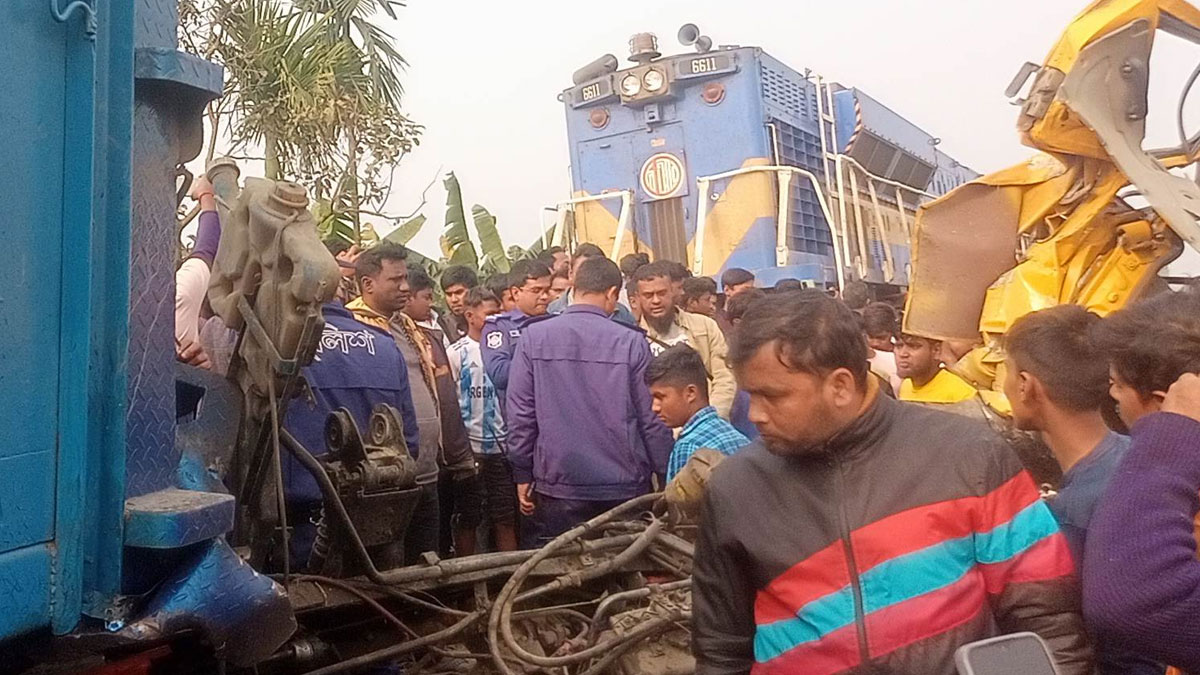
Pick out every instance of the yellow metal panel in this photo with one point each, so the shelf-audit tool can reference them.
(594, 223)
(746, 198)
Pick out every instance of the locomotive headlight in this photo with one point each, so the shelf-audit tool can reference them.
(654, 80)
(631, 85)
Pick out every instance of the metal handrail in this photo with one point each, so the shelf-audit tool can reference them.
(889, 262)
(784, 175)
(626, 197)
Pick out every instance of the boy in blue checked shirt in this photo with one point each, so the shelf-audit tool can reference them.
(679, 389)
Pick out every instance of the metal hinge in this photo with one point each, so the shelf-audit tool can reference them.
(64, 14)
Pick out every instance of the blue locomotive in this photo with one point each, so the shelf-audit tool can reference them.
(728, 157)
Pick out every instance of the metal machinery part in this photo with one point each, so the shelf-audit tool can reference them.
(1055, 230)
(377, 484)
(269, 279)
(610, 596)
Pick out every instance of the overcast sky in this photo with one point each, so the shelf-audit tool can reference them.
(484, 76)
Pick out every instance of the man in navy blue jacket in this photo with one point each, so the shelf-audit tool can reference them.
(582, 435)
(529, 282)
(356, 367)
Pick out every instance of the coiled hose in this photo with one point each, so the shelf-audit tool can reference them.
(500, 620)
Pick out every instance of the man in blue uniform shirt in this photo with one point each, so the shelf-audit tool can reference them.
(582, 433)
(587, 251)
(356, 367)
(529, 281)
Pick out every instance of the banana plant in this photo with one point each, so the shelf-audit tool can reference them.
(495, 258)
(408, 230)
(456, 240)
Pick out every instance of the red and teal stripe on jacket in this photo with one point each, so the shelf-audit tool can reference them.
(923, 572)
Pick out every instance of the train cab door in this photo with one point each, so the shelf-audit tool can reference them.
(609, 165)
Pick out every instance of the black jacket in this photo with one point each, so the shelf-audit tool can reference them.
(911, 533)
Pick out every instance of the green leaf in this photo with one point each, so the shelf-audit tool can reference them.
(405, 233)
(494, 255)
(456, 241)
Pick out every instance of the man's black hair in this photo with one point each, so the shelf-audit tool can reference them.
(933, 343)
(679, 271)
(497, 284)
(678, 366)
(735, 276)
(587, 250)
(419, 280)
(370, 263)
(632, 262)
(735, 307)
(697, 287)
(856, 294)
(1151, 343)
(459, 275)
(479, 295)
(524, 270)
(809, 331)
(784, 285)
(547, 256)
(1056, 346)
(597, 275)
(658, 269)
(335, 244)
(879, 318)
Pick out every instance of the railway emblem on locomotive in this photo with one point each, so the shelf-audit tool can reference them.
(662, 175)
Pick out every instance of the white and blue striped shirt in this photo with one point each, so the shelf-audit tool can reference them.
(477, 398)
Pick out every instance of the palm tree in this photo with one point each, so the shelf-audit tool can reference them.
(316, 85)
(374, 101)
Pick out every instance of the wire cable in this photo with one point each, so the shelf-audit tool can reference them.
(500, 625)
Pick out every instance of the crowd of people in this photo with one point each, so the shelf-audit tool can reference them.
(856, 522)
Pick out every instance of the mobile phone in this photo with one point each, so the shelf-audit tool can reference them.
(1015, 654)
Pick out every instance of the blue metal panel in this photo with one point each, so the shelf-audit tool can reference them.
(812, 272)
(786, 94)
(35, 52)
(172, 89)
(175, 518)
(949, 174)
(885, 123)
(25, 587)
(215, 592)
(27, 500)
(45, 311)
(91, 558)
(756, 251)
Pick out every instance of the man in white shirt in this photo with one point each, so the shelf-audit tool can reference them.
(880, 325)
(480, 405)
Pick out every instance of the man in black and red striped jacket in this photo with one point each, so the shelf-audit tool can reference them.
(863, 534)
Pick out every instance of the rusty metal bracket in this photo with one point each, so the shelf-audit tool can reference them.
(1107, 88)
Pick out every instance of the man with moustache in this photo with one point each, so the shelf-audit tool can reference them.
(862, 534)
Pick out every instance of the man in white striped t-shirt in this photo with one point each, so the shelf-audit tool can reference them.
(480, 404)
